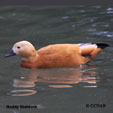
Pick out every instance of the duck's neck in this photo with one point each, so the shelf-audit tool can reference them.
(31, 59)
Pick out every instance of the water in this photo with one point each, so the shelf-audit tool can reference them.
(58, 90)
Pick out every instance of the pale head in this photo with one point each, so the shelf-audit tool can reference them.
(24, 49)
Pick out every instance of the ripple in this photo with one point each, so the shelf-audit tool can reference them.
(98, 7)
(23, 83)
(60, 86)
(101, 33)
(110, 36)
(90, 86)
(73, 25)
(104, 33)
(82, 11)
(92, 29)
(23, 92)
(109, 10)
(65, 17)
(100, 25)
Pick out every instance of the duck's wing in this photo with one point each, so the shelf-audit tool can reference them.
(60, 49)
(46, 50)
(91, 49)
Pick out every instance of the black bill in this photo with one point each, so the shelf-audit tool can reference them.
(10, 54)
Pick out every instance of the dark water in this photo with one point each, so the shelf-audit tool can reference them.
(59, 90)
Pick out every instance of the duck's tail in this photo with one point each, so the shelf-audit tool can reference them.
(102, 45)
(91, 50)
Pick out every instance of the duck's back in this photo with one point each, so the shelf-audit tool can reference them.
(59, 49)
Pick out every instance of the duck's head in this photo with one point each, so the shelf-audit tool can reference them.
(23, 49)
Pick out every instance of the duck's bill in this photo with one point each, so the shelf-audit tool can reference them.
(10, 54)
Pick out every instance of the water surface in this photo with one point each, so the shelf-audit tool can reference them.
(58, 90)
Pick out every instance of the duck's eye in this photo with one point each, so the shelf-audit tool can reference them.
(18, 47)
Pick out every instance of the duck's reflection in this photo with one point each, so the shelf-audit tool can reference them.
(22, 92)
(23, 83)
(57, 77)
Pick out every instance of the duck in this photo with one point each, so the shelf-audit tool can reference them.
(56, 55)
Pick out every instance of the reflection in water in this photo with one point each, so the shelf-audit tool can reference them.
(91, 86)
(23, 83)
(57, 78)
(23, 92)
(60, 86)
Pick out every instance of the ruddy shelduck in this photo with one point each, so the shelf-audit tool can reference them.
(56, 55)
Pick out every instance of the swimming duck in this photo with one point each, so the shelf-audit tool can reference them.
(56, 55)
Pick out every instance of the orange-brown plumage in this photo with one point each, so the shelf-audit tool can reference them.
(56, 55)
